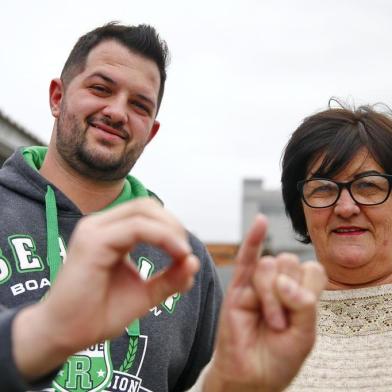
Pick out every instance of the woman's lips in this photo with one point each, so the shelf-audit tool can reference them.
(349, 230)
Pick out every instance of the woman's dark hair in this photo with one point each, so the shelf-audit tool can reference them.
(337, 134)
(141, 39)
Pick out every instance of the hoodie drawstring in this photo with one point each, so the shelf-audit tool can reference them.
(52, 234)
(54, 263)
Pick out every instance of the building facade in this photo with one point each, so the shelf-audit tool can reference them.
(281, 237)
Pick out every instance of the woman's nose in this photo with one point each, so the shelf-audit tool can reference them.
(346, 205)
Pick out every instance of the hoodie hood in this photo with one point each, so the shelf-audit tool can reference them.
(172, 342)
(20, 174)
(27, 181)
(133, 188)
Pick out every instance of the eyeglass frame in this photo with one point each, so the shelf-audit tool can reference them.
(345, 185)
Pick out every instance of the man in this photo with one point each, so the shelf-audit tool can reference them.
(105, 106)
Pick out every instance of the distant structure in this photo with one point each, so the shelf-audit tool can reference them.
(13, 136)
(223, 253)
(281, 237)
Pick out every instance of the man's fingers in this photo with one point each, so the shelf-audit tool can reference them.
(250, 251)
(144, 206)
(137, 230)
(140, 220)
(119, 237)
(177, 278)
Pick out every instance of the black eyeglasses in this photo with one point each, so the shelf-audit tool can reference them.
(368, 190)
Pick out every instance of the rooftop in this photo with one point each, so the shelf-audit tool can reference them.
(11, 123)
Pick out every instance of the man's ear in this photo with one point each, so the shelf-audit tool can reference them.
(56, 92)
(153, 131)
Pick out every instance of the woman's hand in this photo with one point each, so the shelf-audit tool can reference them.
(267, 323)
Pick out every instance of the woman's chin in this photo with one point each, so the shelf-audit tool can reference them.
(351, 261)
(350, 257)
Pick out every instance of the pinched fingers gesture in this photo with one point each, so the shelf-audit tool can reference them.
(99, 291)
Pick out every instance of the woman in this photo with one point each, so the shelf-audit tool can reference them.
(336, 184)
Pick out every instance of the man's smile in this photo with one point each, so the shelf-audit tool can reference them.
(118, 133)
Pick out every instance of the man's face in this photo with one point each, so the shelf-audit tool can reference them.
(107, 112)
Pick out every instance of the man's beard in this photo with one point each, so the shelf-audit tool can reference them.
(72, 145)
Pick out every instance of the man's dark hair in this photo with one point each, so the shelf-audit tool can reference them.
(336, 134)
(142, 39)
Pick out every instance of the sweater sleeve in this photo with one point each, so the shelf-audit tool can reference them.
(211, 300)
(10, 378)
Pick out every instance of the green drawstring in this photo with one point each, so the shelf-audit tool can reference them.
(52, 234)
(54, 262)
(133, 329)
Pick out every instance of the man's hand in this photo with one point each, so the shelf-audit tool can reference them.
(267, 323)
(98, 291)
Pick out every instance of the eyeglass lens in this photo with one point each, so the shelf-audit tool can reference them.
(368, 190)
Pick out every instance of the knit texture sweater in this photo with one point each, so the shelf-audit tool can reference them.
(353, 348)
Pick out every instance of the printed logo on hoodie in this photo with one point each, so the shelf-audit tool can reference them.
(92, 369)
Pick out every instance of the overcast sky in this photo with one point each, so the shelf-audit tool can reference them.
(243, 75)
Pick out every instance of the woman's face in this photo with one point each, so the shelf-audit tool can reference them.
(353, 242)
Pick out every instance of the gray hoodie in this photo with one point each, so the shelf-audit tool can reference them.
(164, 351)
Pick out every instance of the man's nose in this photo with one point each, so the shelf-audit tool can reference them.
(117, 110)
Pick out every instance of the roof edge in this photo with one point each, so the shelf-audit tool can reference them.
(21, 129)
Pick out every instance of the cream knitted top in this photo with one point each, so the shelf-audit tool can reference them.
(353, 350)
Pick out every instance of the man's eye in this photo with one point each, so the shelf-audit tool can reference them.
(98, 88)
(141, 106)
